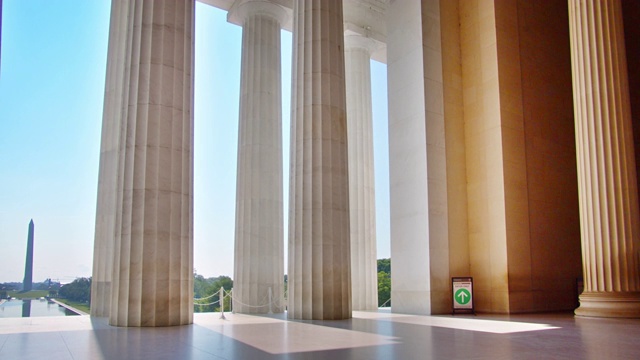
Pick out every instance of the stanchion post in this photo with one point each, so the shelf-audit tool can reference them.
(270, 300)
(221, 302)
(233, 311)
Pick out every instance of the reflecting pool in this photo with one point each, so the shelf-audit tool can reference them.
(32, 308)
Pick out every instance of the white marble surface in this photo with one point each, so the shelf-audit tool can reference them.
(259, 239)
(407, 161)
(109, 157)
(319, 256)
(149, 99)
(364, 279)
(369, 335)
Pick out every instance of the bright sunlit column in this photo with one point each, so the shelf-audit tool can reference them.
(319, 256)
(364, 275)
(608, 193)
(107, 180)
(152, 281)
(259, 247)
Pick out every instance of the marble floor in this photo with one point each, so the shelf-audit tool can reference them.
(369, 335)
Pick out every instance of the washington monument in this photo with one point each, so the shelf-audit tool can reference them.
(27, 283)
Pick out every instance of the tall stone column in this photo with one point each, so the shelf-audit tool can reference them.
(606, 165)
(259, 247)
(152, 283)
(319, 256)
(364, 274)
(108, 168)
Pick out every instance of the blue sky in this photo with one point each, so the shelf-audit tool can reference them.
(51, 94)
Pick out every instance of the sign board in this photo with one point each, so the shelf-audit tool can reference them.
(462, 294)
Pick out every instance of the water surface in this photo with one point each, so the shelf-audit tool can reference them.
(32, 308)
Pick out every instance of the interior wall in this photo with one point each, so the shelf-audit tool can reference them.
(511, 187)
(514, 156)
(417, 159)
(554, 252)
(408, 194)
(436, 157)
(484, 161)
(454, 137)
(631, 14)
(523, 220)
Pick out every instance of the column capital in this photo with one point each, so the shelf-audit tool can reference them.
(243, 9)
(352, 40)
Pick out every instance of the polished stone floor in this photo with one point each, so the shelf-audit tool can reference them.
(368, 335)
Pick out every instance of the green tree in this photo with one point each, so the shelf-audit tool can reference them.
(286, 287)
(208, 290)
(78, 290)
(384, 282)
(384, 265)
(199, 286)
(384, 289)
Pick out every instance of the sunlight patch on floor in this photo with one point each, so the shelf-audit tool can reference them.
(45, 324)
(489, 326)
(281, 337)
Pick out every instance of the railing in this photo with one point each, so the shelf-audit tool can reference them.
(222, 294)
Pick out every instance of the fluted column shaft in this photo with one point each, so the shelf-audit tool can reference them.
(152, 281)
(606, 165)
(108, 168)
(319, 256)
(259, 247)
(364, 279)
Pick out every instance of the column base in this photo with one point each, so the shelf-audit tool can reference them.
(609, 304)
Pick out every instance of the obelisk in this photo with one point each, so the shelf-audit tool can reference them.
(27, 283)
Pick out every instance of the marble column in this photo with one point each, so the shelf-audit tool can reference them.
(606, 164)
(319, 256)
(108, 168)
(259, 247)
(152, 282)
(362, 208)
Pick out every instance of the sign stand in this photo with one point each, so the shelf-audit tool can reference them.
(462, 295)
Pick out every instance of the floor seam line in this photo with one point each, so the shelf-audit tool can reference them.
(66, 345)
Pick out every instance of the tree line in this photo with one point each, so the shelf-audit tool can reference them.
(384, 282)
(208, 289)
(79, 290)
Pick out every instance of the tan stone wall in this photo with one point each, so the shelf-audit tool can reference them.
(483, 138)
(542, 273)
(454, 138)
(631, 14)
(514, 156)
(436, 157)
(523, 221)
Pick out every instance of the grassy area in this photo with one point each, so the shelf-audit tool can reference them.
(77, 305)
(33, 294)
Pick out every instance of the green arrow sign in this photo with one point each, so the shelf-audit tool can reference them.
(462, 296)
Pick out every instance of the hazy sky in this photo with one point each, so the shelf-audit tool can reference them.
(51, 94)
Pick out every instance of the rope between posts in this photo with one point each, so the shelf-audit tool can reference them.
(229, 294)
(206, 297)
(215, 302)
(247, 305)
(233, 298)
